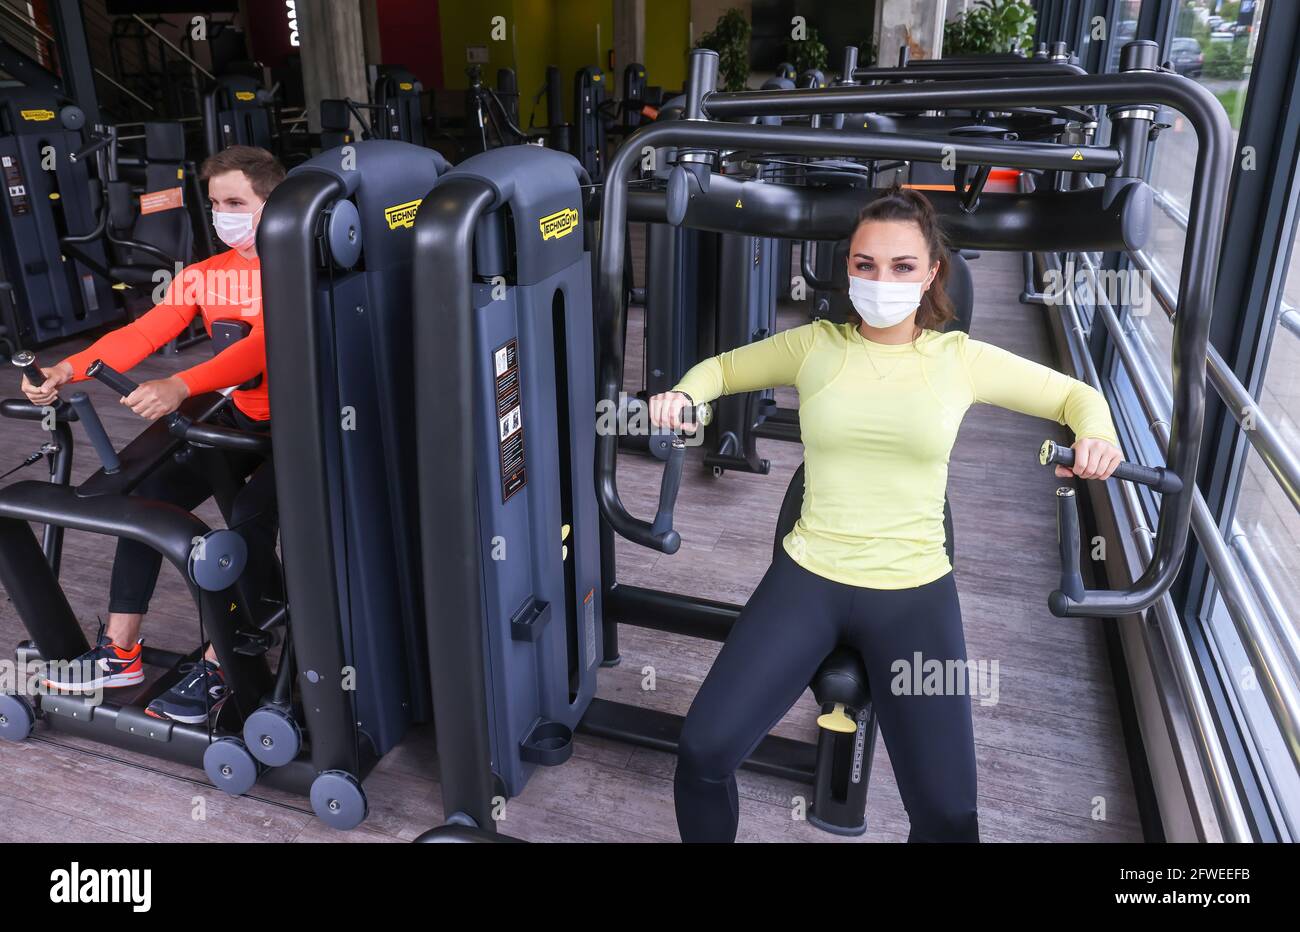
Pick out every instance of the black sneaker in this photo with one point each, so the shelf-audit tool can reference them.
(104, 666)
(199, 694)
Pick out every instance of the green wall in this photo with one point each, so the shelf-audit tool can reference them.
(574, 46)
(563, 33)
(465, 24)
(667, 24)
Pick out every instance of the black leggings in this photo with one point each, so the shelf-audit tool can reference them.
(253, 514)
(792, 622)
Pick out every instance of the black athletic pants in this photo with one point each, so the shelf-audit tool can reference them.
(791, 623)
(135, 567)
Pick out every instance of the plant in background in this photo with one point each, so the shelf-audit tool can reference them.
(990, 27)
(730, 39)
(1226, 59)
(806, 54)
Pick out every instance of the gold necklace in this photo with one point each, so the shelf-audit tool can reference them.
(874, 367)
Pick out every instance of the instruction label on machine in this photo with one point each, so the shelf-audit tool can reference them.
(19, 202)
(510, 421)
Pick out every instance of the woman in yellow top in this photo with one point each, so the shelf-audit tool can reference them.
(880, 401)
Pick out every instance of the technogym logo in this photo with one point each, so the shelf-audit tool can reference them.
(402, 215)
(106, 885)
(561, 223)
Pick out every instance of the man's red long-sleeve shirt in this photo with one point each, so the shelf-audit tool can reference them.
(225, 286)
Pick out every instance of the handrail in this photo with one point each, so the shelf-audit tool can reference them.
(45, 35)
(174, 47)
(1264, 435)
(1243, 606)
(1214, 761)
(1191, 327)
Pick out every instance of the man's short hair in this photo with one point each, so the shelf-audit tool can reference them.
(262, 169)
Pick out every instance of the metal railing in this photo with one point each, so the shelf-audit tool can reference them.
(1252, 605)
(24, 22)
(1262, 433)
(1214, 761)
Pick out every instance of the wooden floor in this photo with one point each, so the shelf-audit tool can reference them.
(1047, 750)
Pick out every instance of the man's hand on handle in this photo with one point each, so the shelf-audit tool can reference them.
(157, 398)
(48, 391)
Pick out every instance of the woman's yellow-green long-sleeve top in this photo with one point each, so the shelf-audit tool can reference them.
(878, 423)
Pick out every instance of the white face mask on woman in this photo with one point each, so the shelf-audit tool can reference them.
(233, 228)
(883, 304)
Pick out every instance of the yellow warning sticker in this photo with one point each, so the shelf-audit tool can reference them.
(561, 223)
(738, 204)
(1077, 157)
(402, 215)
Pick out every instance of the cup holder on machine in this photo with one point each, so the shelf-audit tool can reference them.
(548, 743)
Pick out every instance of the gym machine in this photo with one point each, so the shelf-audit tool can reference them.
(49, 197)
(242, 625)
(1120, 214)
(396, 94)
(238, 110)
(336, 239)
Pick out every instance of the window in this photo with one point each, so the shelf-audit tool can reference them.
(1265, 516)
(1217, 53)
(1123, 30)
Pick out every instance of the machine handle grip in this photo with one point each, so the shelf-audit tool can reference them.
(111, 377)
(124, 386)
(99, 143)
(699, 415)
(95, 429)
(1068, 540)
(671, 483)
(669, 446)
(26, 361)
(1159, 478)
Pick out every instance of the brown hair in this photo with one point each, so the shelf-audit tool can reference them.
(905, 205)
(262, 169)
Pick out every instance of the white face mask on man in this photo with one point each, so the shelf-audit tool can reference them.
(883, 304)
(235, 229)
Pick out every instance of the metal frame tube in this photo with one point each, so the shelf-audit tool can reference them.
(452, 574)
(1196, 293)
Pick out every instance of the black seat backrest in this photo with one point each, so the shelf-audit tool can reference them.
(335, 123)
(169, 230)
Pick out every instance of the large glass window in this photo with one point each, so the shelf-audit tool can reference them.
(1215, 49)
(1266, 518)
(1123, 29)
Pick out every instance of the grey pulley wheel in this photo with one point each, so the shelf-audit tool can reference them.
(338, 799)
(272, 736)
(17, 717)
(229, 766)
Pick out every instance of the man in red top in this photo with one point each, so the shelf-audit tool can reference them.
(225, 286)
